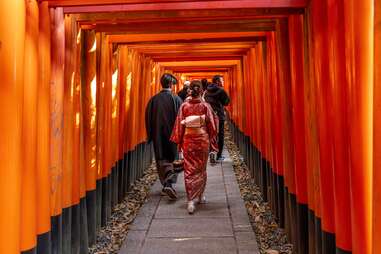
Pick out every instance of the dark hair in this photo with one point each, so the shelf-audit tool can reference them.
(216, 79)
(195, 88)
(204, 83)
(167, 80)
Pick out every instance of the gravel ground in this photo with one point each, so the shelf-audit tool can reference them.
(110, 238)
(271, 239)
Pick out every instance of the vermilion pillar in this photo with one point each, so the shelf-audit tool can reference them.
(89, 101)
(359, 46)
(56, 109)
(296, 36)
(43, 122)
(376, 131)
(56, 124)
(283, 68)
(340, 134)
(29, 125)
(68, 111)
(122, 76)
(324, 98)
(12, 37)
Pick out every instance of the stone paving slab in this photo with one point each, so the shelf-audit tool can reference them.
(191, 227)
(221, 226)
(134, 242)
(190, 245)
(146, 213)
(216, 207)
(246, 242)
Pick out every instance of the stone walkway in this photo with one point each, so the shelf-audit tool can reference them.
(221, 226)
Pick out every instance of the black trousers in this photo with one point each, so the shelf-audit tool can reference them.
(166, 172)
(221, 135)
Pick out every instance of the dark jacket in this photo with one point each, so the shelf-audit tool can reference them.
(160, 117)
(217, 98)
(183, 93)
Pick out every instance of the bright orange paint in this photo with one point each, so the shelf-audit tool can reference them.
(77, 150)
(12, 38)
(101, 110)
(297, 86)
(69, 114)
(115, 86)
(285, 100)
(56, 107)
(376, 223)
(122, 78)
(29, 123)
(43, 123)
(360, 51)
(325, 115)
(312, 133)
(105, 96)
(89, 110)
(336, 37)
(276, 106)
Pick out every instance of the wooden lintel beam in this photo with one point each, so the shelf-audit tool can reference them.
(143, 19)
(164, 59)
(167, 37)
(201, 45)
(188, 15)
(215, 63)
(252, 39)
(200, 70)
(173, 27)
(195, 56)
(193, 51)
(93, 6)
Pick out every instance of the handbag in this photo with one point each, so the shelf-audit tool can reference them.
(178, 165)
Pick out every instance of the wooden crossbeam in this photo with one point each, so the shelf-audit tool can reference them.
(195, 26)
(187, 15)
(82, 6)
(167, 37)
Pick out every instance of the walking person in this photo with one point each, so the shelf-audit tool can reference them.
(204, 83)
(217, 97)
(183, 93)
(194, 130)
(160, 116)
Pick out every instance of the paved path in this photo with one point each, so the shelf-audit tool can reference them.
(221, 226)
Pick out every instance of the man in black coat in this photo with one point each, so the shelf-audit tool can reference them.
(160, 116)
(217, 97)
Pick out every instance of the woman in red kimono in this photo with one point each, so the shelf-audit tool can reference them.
(195, 132)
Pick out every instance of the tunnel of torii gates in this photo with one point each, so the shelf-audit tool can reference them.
(305, 82)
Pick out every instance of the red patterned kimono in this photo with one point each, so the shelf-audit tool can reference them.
(195, 143)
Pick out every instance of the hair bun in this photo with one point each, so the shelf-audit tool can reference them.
(195, 88)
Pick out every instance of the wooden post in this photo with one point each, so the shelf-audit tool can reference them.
(12, 39)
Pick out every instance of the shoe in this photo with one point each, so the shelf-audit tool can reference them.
(191, 207)
(221, 158)
(202, 200)
(170, 177)
(212, 157)
(171, 193)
